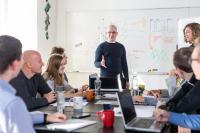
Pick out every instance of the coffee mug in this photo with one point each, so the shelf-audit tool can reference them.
(90, 95)
(107, 117)
(78, 104)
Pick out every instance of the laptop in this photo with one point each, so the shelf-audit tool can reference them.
(129, 116)
(70, 124)
(107, 83)
(121, 89)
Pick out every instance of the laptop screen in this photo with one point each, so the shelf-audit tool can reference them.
(127, 107)
(106, 83)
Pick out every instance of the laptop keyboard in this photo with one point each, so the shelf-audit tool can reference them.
(143, 123)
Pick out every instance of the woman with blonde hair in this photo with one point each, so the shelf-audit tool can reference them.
(54, 76)
(61, 51)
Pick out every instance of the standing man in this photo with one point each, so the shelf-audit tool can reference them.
(14, 116)
(110, 56)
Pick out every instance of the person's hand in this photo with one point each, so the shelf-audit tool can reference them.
(79, 93)
(103, 63)
(56, 117)
(155, 93)
(69, 94)
(161, 115)
(145, 92)
(71, 91)
(138, 98)
(51, 97)
(84, 87)
(127, 85)
(183, 130)
(175, 73)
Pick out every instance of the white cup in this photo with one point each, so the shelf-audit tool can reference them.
(78, 104)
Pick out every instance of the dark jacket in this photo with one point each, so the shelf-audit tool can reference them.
(187, 99)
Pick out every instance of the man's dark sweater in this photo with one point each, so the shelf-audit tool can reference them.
(27, 89)
(115, 59)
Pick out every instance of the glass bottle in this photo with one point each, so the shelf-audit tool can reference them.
(97, 84)
(60, 98)
(135, 85)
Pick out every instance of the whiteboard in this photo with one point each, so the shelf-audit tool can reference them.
(149, 36)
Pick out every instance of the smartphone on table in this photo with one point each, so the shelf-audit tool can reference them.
(80, 115)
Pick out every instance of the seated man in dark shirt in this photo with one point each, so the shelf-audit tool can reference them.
(29, 82)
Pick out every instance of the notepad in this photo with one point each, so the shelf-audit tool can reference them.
(111, 96)
(107, 102)
(71, 124)
(70, 104)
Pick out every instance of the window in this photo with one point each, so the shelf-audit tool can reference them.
(18, 18)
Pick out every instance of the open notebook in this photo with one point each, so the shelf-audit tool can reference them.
(70, 124)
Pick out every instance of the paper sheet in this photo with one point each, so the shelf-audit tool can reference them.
(107, 102)
(141, 111)
(110, 95)
(71, 124)
(144, 111)
(70, 104)
(117, 111)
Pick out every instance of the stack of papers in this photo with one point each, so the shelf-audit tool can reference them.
(111, 96)
(70, 124)
(107, 102)
(70, 104)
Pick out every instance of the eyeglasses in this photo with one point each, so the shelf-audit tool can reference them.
(112, 32)
(190, 60)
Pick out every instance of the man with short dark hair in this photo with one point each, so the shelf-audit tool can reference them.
(14, 117)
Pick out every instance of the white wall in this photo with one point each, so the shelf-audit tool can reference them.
(44, 45)
(64, 6)
(3, 10)
(85, 5)
(18, 19)
(80, 5)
